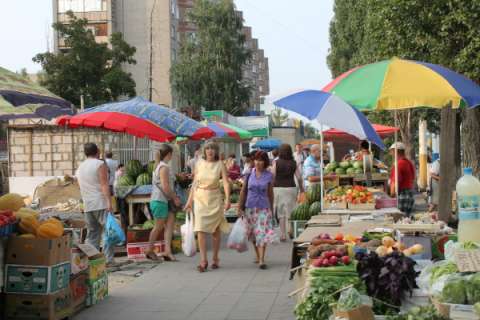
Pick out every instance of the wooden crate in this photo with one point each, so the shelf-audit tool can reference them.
(334, 205)
(361, 206)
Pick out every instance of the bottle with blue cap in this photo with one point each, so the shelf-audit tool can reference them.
(468, 200)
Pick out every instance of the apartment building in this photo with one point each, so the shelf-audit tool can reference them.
(156, 28)
(149, 25)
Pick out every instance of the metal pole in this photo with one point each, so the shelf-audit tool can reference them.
(396, 157)
(82, 103)
(321, 168)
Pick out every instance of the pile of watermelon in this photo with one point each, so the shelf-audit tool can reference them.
(136, 174)
(311, 207)
(344, 167)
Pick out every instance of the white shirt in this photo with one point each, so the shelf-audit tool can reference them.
(435, 168)
(112, 167)
(90, 188)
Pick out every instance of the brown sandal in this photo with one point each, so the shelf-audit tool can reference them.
(153, 256)
(169, 258)
(215, 264)
(202, 267)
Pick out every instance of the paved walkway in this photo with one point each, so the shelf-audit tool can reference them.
(237, 291)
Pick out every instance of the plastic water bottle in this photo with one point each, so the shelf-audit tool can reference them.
(468, 199)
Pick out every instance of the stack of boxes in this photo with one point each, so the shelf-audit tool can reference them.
(37, 278)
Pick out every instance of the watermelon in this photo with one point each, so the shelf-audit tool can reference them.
(315, 208)
(301, 212)
(331, 167)
(344, 164)
(358, 164)
(350, 171)
(340, 171)
(134, 168)
(334, 164)
(151, 167)
(314, 193)
(126, 181)
(359, 171)
(144, 179)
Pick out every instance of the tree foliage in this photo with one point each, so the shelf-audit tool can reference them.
(443, 32)
(209, 71)
(87, 68)
(278, 117)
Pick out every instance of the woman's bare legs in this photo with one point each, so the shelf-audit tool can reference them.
(154, 234)
(217, 238)
(168, 237)
(203, 251)
(262, 250)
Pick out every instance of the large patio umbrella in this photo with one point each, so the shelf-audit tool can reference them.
(401, 84)
(225, 131)
(141, 118)
(23, 98)
(331, 111)
(268, 144)
(381, 130)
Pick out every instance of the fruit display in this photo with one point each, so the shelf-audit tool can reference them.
(332, 258)
(314, 193)
(389, 245)
(11, 201)
(344, 167)
(126, 181)
(30, 227)
(302, 212)
(134, 168)
(144, 179)
(150, 167)
(315, 208)
(354, 195)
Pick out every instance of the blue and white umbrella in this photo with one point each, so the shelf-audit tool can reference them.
(268, 144)
(331, 111)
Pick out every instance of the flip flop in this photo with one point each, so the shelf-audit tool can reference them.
(169, 258)
(152, 256)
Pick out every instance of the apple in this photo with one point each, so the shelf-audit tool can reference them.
(333, 260)
(346, 260)
(317, 263)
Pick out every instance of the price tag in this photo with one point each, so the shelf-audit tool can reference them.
(468, 260)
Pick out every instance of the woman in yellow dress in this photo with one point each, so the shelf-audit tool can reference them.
(208, 203)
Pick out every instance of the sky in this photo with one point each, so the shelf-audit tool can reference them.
(293, 33)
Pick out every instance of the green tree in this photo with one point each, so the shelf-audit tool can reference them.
(209, 71)
(87, 68)
(278, 117)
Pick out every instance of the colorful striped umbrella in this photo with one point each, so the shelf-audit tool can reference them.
(400, 84)
(228, 131)
(141, 118)
(22, 98)
(381, 130)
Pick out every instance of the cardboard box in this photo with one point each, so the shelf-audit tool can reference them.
(455, 311)
(97, 290)
(136, 251)
(38, 252)
(41, 307)
(96, 268)
(77, 230)
(79, 291)
(79, 261)
(36, 279)
(361, 313)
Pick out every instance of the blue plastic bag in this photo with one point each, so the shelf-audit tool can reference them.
(113, 233)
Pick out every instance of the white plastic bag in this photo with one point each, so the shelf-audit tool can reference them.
(189, 245)
(238, 238)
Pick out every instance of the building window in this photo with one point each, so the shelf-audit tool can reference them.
(101, 30)
(81, 5)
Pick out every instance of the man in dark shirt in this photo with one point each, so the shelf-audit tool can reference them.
(406, 178)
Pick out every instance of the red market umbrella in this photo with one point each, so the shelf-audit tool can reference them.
(139, 118)
(382, 131)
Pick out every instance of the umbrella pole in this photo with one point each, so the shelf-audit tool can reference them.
(321, 168)
(396, 157)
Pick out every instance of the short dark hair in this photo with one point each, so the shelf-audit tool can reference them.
(232, 156)
(262, 156)
(109, 155)
(90, 149)
(120, 166)
(285, 152)
(365, 145)
(275, 153)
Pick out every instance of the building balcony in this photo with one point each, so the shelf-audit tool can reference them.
(93, 16)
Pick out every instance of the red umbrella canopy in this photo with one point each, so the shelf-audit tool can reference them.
(382, 131)
(139, 118)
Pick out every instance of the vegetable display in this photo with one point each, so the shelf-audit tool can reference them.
(349, 299)
(419, 313)
(387, 278)
(325, 284)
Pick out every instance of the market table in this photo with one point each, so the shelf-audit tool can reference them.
(300, 244)
(139, 195)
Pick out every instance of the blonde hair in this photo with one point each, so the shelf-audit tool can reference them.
(215, 147)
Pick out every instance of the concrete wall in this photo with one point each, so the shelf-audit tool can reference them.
(45, 150)
(288, 135)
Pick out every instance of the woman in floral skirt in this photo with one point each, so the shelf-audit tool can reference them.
(256, 203)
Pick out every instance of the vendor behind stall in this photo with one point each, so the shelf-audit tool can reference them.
(233, 168)
(312, 166)
(406, 178)
(364, 151)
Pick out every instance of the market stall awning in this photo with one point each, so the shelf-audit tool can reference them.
(331, 111)
(22, 98)
(228, 131)
(267, 144)
(381, 130)
(141, 118)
